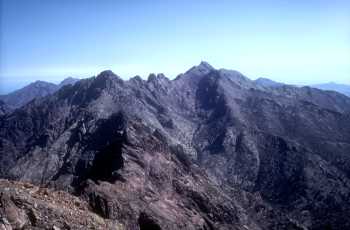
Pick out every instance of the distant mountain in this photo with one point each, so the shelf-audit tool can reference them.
(331, 86)
(341, 88)
(36, 89)
(267, 82)
(33, 90)
(209, 150)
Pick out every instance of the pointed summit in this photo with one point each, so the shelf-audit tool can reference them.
(202, 68)
(159, 77)
(205, 65)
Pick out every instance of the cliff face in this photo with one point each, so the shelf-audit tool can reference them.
(208, 150)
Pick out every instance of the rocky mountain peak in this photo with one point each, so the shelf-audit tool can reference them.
(107, 74)
(159, 77)
(106, 79)
(137, 79)
(201, 69)
(206, 65)
(151, 77)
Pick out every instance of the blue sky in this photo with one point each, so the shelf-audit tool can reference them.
(289, 41)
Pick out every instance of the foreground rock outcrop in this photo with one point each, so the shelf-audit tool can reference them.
(25, 206)
(208, 150)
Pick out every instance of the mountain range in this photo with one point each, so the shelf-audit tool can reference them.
(208, 150)
(341, 88)
(331, 86)
(39, 88)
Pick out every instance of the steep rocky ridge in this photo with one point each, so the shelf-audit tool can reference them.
(208, 150)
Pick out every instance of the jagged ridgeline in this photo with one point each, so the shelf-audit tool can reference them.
(210, 149)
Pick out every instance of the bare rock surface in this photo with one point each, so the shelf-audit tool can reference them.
(25, 206)
(210, 149)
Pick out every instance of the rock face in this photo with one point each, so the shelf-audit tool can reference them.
(3, 108)
(34, 90)
(24, 206)
(208, 150)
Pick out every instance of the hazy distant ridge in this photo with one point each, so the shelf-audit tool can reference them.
(36, 89)
(341, 88)
(332, 86)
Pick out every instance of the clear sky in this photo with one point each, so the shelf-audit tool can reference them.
(290, 41)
